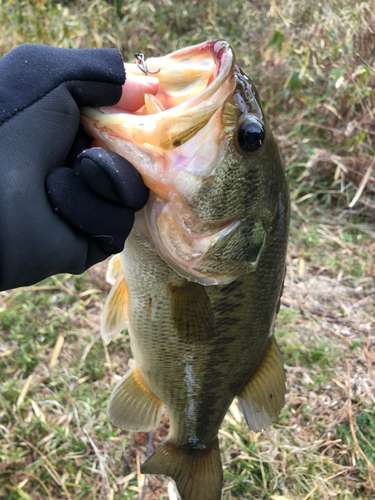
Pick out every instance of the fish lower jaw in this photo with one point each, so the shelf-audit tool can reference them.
(187, 253)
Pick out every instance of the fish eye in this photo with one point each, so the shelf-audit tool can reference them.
(251, 135)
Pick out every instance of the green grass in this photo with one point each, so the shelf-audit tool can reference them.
(365, 435)
(313, 66)
(65, 407)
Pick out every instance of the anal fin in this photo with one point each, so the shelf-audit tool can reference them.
(198, 473)
(133, 406)
(263, 396)
(115, 310)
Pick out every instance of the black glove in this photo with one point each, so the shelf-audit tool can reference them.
(41, 90)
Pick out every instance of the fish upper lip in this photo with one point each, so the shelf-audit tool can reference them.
(152, 128)
(206, 74)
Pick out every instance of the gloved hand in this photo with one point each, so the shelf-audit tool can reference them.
(41, 90)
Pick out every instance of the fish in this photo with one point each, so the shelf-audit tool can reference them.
(199, 282)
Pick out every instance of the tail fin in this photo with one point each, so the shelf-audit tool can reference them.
(198, 473)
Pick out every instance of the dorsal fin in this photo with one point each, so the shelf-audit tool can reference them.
(263, 396)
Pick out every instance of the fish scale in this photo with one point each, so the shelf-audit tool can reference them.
(199, 293)
(227, 362)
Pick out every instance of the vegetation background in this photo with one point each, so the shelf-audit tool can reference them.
(313, 63)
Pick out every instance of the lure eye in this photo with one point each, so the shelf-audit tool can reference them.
(251, 135)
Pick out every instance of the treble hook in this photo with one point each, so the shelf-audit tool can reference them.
(140, 62)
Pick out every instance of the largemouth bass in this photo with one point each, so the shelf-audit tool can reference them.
(198, 284)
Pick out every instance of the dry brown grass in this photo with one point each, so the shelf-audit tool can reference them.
(326, 331)
(314, 66)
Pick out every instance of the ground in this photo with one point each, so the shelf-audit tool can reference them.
(314, 68)
(56, 439)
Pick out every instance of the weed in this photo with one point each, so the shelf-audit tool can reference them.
(314, 67)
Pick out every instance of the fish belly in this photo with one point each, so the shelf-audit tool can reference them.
(195, 377)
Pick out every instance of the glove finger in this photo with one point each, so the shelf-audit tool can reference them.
(34, 70)
(94, 93)
(81, 143)
(112, 176)
(108, 222)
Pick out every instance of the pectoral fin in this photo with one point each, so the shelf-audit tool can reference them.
(115, 310)
(133, 406)
(192, 312)
(263, 396)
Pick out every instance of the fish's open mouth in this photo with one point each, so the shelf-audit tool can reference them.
(191, 90)
(193, 85)
(176, 141)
